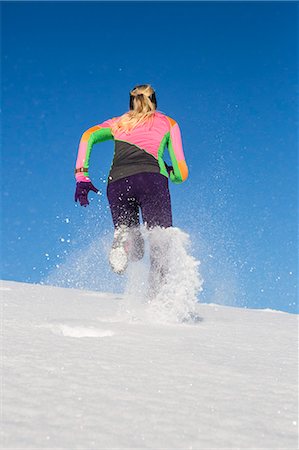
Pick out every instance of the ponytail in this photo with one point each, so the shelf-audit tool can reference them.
(143, 105)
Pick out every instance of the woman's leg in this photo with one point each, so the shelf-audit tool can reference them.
(123, 205)
(159, 260)
(154, 200)
(155, 204)
(128, 242)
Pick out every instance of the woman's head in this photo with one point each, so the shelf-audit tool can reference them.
(143, 105)
(143, 98)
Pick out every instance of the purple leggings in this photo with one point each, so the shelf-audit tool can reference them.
(147, 191)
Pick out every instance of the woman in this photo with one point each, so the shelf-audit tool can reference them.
(138, 178)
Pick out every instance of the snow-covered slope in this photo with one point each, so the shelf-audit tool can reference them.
(82, 371)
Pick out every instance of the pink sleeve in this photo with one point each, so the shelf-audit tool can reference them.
(176, 138)
(175, 148)
(98, 133)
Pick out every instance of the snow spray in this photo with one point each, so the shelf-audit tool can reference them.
(172, 299)
(164, 297)
(88, 268)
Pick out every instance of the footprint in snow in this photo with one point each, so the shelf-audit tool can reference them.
(78, 332)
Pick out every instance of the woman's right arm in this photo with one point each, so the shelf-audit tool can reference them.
(176, 153)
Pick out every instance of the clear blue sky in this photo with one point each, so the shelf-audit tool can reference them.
(225, 71)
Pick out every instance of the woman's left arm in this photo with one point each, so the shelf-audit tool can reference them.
(93, 135)
(99, 133)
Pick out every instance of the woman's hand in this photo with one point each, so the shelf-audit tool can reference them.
(168, 168)
(82, 189)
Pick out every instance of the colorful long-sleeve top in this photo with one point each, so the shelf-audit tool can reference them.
(141, 150)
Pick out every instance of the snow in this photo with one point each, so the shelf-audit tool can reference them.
(80, 371)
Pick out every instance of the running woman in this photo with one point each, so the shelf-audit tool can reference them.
(138, 178)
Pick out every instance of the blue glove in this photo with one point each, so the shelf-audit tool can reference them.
(82, 189)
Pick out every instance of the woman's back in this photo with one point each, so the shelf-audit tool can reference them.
(147, 136)
(138, 150)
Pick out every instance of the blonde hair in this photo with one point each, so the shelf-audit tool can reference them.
(142, 109)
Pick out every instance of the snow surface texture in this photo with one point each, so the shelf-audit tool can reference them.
(79, 372)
